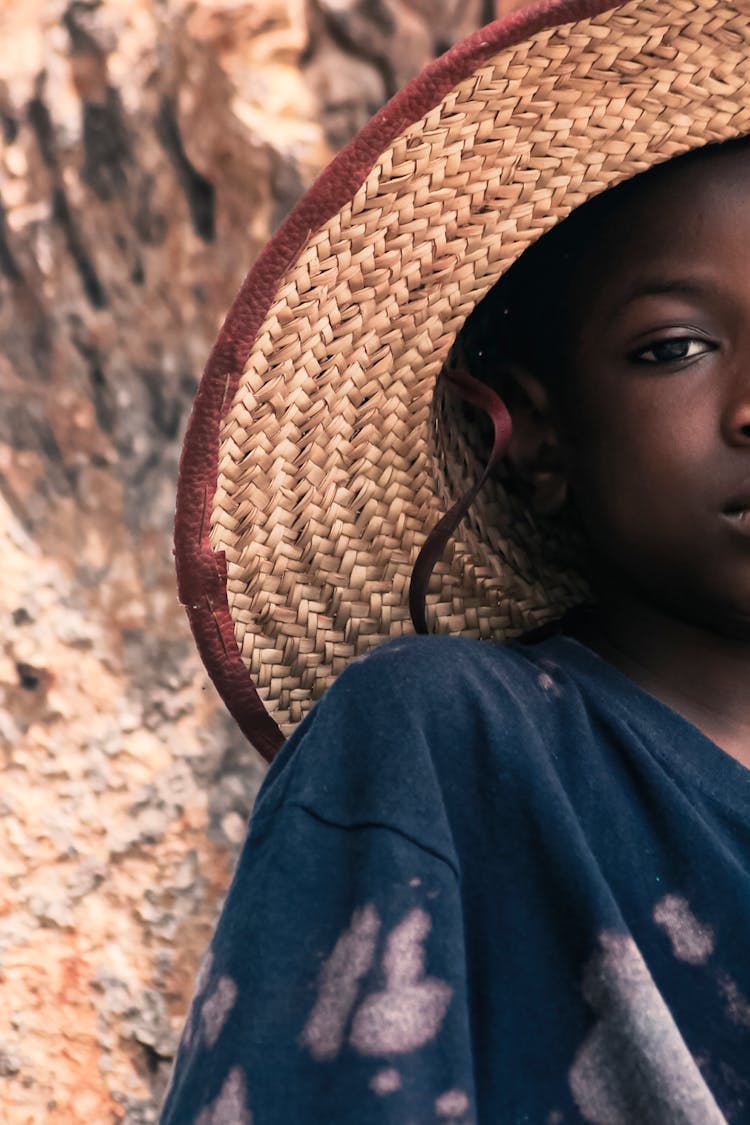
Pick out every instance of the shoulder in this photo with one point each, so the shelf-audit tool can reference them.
(402, 727)
(424, 675)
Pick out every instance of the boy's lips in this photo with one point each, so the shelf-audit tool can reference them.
(737, 512)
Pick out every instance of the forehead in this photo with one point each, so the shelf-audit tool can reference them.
(696, 205)
(688, 219)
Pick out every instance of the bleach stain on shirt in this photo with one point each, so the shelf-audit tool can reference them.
(453, 1103)
(737, 1005)
(691, 940)
(201, 980)
(549, 687)
(404, 1016)
(386, 1081)
(411, 1009)
(230, 1107)
(210, 1014)
(404, 960)
(635, 1065)
(204, 972)
(216, 1009)
(338, 985)
(547, 680)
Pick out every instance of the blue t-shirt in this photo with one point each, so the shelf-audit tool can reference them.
(483, 885)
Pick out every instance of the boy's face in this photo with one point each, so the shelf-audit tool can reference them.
(657, 407)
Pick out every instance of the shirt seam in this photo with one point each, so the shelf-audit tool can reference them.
(365, 824)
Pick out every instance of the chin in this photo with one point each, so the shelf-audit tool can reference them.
(721, 611)
(734, 624)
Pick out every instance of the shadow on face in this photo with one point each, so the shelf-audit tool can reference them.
(624, 358)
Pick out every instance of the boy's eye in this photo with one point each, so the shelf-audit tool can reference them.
(673, 350)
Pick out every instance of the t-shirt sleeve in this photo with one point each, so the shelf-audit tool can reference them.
(334, 988)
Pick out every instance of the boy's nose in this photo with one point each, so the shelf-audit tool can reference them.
(737, 419)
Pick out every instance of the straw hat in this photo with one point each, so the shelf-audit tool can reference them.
(321, 448)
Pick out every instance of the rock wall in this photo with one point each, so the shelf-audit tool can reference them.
(147, 150)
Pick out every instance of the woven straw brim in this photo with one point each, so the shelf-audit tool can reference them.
(335, 458)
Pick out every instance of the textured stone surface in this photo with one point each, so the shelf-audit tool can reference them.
(148, 148)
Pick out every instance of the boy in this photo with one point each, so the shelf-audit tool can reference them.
(490, 884)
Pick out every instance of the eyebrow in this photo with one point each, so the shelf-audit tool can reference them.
(657, 286)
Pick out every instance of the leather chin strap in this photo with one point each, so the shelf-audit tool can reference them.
(470, 390)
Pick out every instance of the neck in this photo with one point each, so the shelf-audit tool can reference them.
(700, 674)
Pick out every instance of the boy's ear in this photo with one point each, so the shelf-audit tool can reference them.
(535, 452)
